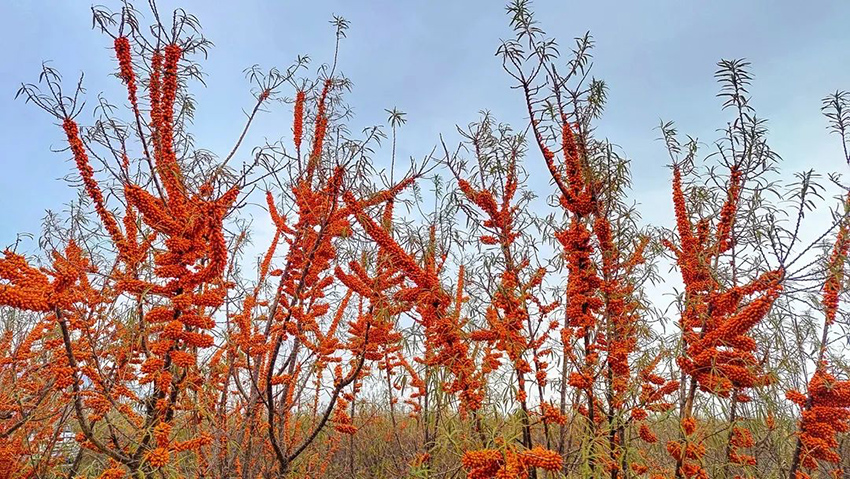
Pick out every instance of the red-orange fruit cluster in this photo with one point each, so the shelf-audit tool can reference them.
(509, 463)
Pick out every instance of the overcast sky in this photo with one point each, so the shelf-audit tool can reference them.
(435, 60)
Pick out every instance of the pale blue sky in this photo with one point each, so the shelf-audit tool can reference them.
(435, 60)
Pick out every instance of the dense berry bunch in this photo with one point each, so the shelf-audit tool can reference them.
(825, 414)
(509, 463)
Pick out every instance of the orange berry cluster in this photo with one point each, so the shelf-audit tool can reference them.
(689, 452)
(715, 320)
(509, 463)
(825, 414)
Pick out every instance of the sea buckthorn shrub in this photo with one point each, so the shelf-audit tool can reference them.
(443, 320)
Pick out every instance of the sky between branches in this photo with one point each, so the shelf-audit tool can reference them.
(435, 61)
